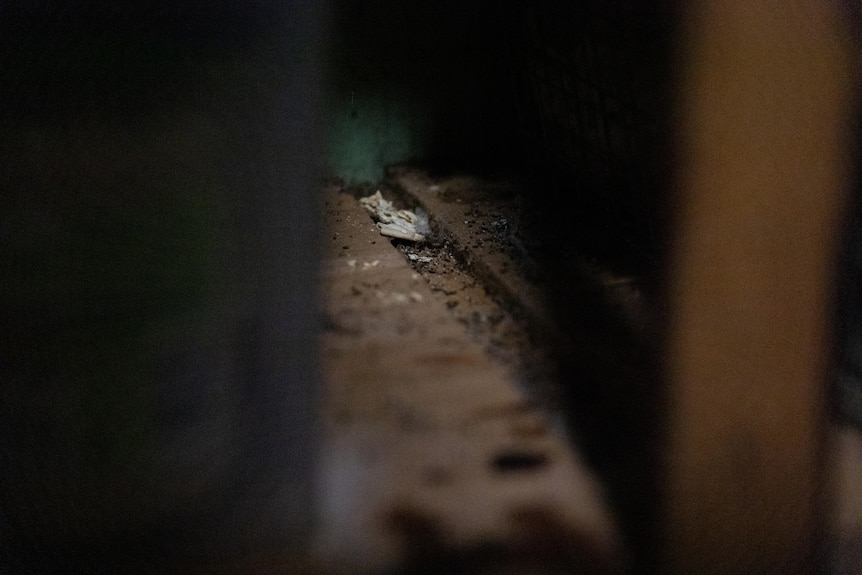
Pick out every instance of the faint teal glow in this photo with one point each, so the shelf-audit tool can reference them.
(368, 132)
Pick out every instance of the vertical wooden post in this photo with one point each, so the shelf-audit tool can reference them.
(765, 116)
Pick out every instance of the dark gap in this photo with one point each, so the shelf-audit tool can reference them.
(518, 461)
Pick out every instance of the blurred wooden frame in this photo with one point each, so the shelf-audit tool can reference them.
(766, 122)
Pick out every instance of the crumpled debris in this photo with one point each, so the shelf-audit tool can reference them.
(421, 259)
(401, 224)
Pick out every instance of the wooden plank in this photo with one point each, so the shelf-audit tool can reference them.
(765, 97)
(433, 459)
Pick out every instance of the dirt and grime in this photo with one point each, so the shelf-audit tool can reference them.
(445, 417)
(428, 423)
(501, 307)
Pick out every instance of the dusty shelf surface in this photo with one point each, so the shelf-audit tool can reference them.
(443, 451)
(435, 458)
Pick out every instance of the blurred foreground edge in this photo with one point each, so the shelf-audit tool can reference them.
(766, 128)
(158, 168)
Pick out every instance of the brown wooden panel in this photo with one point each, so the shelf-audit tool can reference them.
(765, 113)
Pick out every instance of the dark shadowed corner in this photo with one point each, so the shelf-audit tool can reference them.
(158, 221)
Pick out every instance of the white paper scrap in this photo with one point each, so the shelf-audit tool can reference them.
(401, 224)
